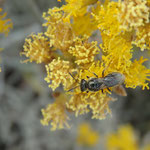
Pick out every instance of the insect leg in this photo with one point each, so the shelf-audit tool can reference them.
(108, 89)
(73, 77)
(95, 75)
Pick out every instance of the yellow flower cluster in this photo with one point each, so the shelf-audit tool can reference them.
(56, 113)
(37, 49)
(124, 139)
(70, 54)
(86, 135)
(83, 51)
(5, 24)
(57, 73)
(133, 14)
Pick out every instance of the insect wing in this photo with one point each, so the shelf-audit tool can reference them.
(120, 90)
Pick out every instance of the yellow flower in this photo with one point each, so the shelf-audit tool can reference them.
(75, 8)
(133, 13)
(82, 28)
(86, 135)
(5, 24)
(58, 73)
(59, 32)
(118, 54)
(83, 50)
(55, 114)
(117, 58)
(99, 104)
(107, 19)
(37, 49)
(138, 74)
(142, 39)
(78, 104)
(124, 139)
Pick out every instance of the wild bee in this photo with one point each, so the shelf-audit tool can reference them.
(95, 84)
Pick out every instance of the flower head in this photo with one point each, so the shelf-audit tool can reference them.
(138, 74)
(5, 24)
(75, 8)
(118, 56)
(124, 139)
(107, 19)
(81, 28)
(59, 32)
(37, 49)
(86, 135)
(142, 39)
(78, 104)
(55, 114)
(117, 52)
(58, 72)
(83, 50)
(133, 13)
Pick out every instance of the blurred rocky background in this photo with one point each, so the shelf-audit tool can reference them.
(23, 92)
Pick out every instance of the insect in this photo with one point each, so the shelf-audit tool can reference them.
(95, 84)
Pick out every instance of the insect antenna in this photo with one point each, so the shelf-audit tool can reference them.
(73, 88)
(73, 77)
(76, 81)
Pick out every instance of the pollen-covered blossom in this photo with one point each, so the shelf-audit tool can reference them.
(37, 49)
(142, 39)
(81, 28)
(118, 52)
(59, 32)
(5, 24)
(78, 104)
(97, 103)
(133, 13)
(83, 50)
(138, 74)
(58, 72)
(76, 7)
(123, 139)
(86, 135)
(55, 114)
(107, 19)
(118, 56)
